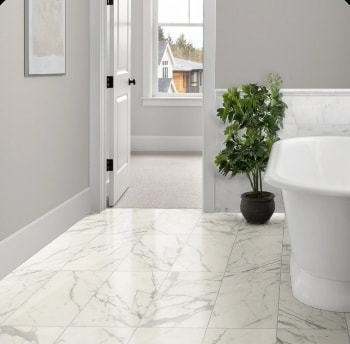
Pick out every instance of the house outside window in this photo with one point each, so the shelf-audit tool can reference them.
(165, 69)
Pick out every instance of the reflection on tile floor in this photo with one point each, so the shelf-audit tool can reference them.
(152, 276)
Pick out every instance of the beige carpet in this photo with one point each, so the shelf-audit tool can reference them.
(164, 181)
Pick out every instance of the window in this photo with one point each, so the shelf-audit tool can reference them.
(175, 51)
(165, 69)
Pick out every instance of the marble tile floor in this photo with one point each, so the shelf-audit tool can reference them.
(151, 276)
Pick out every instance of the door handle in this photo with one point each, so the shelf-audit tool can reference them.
(132, 81)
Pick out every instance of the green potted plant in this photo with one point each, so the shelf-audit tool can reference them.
(253, 115)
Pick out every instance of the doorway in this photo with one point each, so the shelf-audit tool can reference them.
(164, 180)
(98, 143)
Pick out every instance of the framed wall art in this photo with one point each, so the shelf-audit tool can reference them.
(45, 37)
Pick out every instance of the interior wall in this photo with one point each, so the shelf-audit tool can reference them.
(44, 130)
(306, 42)
(156, 120)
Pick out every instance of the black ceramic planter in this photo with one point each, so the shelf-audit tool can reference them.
(257, 209)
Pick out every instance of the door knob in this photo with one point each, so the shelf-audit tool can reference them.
(132, 81)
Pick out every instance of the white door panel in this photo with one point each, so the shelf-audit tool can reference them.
(122, 134)
(123, 34)
(119, 179)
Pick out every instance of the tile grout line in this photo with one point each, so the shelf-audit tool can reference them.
(55, 272)
(107, 224)
(279, 289)
(239, 226)
(347, 326)
(222, 280)
(165, 278)
(109, 276)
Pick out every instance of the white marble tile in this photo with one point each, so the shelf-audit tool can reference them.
(247, 300)
(205, 253)
(347, 315)
(186, 299)
(218, 224)
(89, 223)
(154, 252)
(59, 252)
(176, 221)
(122, 300)
(294, 314)
(96, 335)
(36, 306)
(289, 130)
(59, 301)
(336, 111)
(293, 336)
(118, 220)
(286, 251)
(104, 253)
(335, 130)
(18, 287)
(29, 335)
(306, 109)
(256, 254)
(136, 221)
(273, 227)
(285, 268)
(168, 336)
(240, 336)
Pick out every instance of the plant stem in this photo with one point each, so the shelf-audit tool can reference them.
(261, 190)
(250, 181)
(256, 181)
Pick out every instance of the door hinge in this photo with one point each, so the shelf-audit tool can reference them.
(110, 81)
(109, 165)
(110, 2)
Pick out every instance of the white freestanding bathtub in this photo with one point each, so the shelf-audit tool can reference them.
(314, 175)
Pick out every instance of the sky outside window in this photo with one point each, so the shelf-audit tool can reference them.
(182, 12)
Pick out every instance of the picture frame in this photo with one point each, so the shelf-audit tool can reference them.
(45, 37)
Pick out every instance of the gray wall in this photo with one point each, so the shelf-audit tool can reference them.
(155, 120)
(44, 122)
(306, 42)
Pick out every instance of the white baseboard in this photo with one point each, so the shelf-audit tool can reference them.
(166, 143)
(17, 248)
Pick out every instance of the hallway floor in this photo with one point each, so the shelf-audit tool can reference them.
(163, 277)
(164, 180)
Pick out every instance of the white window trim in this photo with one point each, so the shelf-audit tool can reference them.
(149, 78)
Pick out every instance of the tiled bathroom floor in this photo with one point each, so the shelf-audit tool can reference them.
(163, 277)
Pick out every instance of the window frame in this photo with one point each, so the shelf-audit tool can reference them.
(150, 58)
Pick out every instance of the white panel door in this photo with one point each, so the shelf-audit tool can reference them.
(119, 150)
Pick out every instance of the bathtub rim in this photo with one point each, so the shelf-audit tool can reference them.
(274, 179)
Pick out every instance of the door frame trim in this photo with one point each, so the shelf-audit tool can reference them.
(209, 107)
(97, 105)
